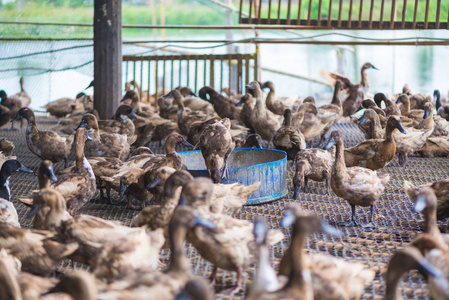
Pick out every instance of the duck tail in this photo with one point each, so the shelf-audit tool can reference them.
(411, 190)
(246, 191)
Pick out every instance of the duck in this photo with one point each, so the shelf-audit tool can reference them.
(8, 213)
(230, 245)
(342, 279)
(37, 250)
(47, 145)
(415, 114)
(440, 189)
(224, 107)
(299, 283)
(356, 91)
(6, 147)
(138, 107)
(103, 144)
(196, 129)
(357, 185)
(248, 102)
(5, 115)
(413, 141)
(438, 257)
(216, 145)
(121, 123)
(441, 126)
(417, 101)
(263, 121)
(168, 284)
(369, 124)
(371, 104)
(153, 129)
(437, 146)
(184, 119)
(315, 164)
(195, 103)
(375, 154)
(289, 138)
(252, 141)
(391, 109)
(311, 125)
(331, 113)
(401, 262)
(274, 105)
(265, 279)
(78, 186)
(9, 104)
(442, 108)
(61, 107)
(23, 96)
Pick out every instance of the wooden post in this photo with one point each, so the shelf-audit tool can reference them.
(107, 56)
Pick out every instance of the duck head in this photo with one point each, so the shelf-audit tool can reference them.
(141, 150)
(78, 284)
(52, 199)
(45, 174)
(161, 176)
(130, 177)
(395, 122)
(368, 114)
(308, 107)
(309, 99)
(253, 140)
(197, 193)
(260, 230)
(88, 121)
(132, 95)
(243, 100)
(403, 261)
(307, 223)
(9, 167)
(175, 139)
(24, 113)
(91, 84)
(186, 91)
(368, 65)
(335, 138)
(255, 88)
(125, 110)
(3, 95)
(267, 85)
(378, 98)
(403, 98)
(428, 109)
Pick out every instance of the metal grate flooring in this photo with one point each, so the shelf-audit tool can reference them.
(396, 223)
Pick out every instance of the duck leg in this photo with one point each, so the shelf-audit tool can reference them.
(306, 188)
(213, 276)
(296, 192)
(370, 223)
(328, 187)
(66, 163)
(235, 288)
(131, 205)
(353, 221)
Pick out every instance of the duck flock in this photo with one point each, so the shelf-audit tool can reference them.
(124, 262)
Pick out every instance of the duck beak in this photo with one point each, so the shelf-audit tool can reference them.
(288, 219)
(169, 95)
(124, 98)
(122, 189)
(398, 100)
(401, 128)
(373, 67)
(330, 230)
(89, 138)
(182, 200)
(426, 114)
(133, 115)
(240, 103)
(362, 120)
(425, 268)
(187, 144)
(193, 94)
(34, 209)
(16, 117)
(91, 84)
(260, 232)
(420, 203)
(51, 175)
(183, 295)
(81, 125)
(249, 86)
(154, 182)
(360, 108)
(25, 169)
(329, 144)
(199, 221)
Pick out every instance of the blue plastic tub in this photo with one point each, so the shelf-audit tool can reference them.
(248, 166)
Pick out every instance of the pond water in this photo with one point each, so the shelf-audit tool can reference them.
(424, 68)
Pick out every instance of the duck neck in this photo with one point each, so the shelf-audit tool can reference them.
(375, 125)
(299, 276)
(431, 226)
(389, 133)
(364, 78)
(179, 261)
(9, 287)
(5, 191)
(437, 102)
(339, 165)
(43, 181)
(336, 97)
(170, 199)
(405, 106)
(392, 291)
(271, 95)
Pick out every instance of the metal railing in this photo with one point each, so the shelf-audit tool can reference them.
(162, 73)
(348, 14)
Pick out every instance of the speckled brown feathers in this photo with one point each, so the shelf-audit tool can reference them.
(216, 145)
(224, 106)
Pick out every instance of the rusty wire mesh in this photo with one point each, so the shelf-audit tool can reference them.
(396, 223)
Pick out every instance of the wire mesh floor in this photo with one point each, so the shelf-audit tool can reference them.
(396, 223)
